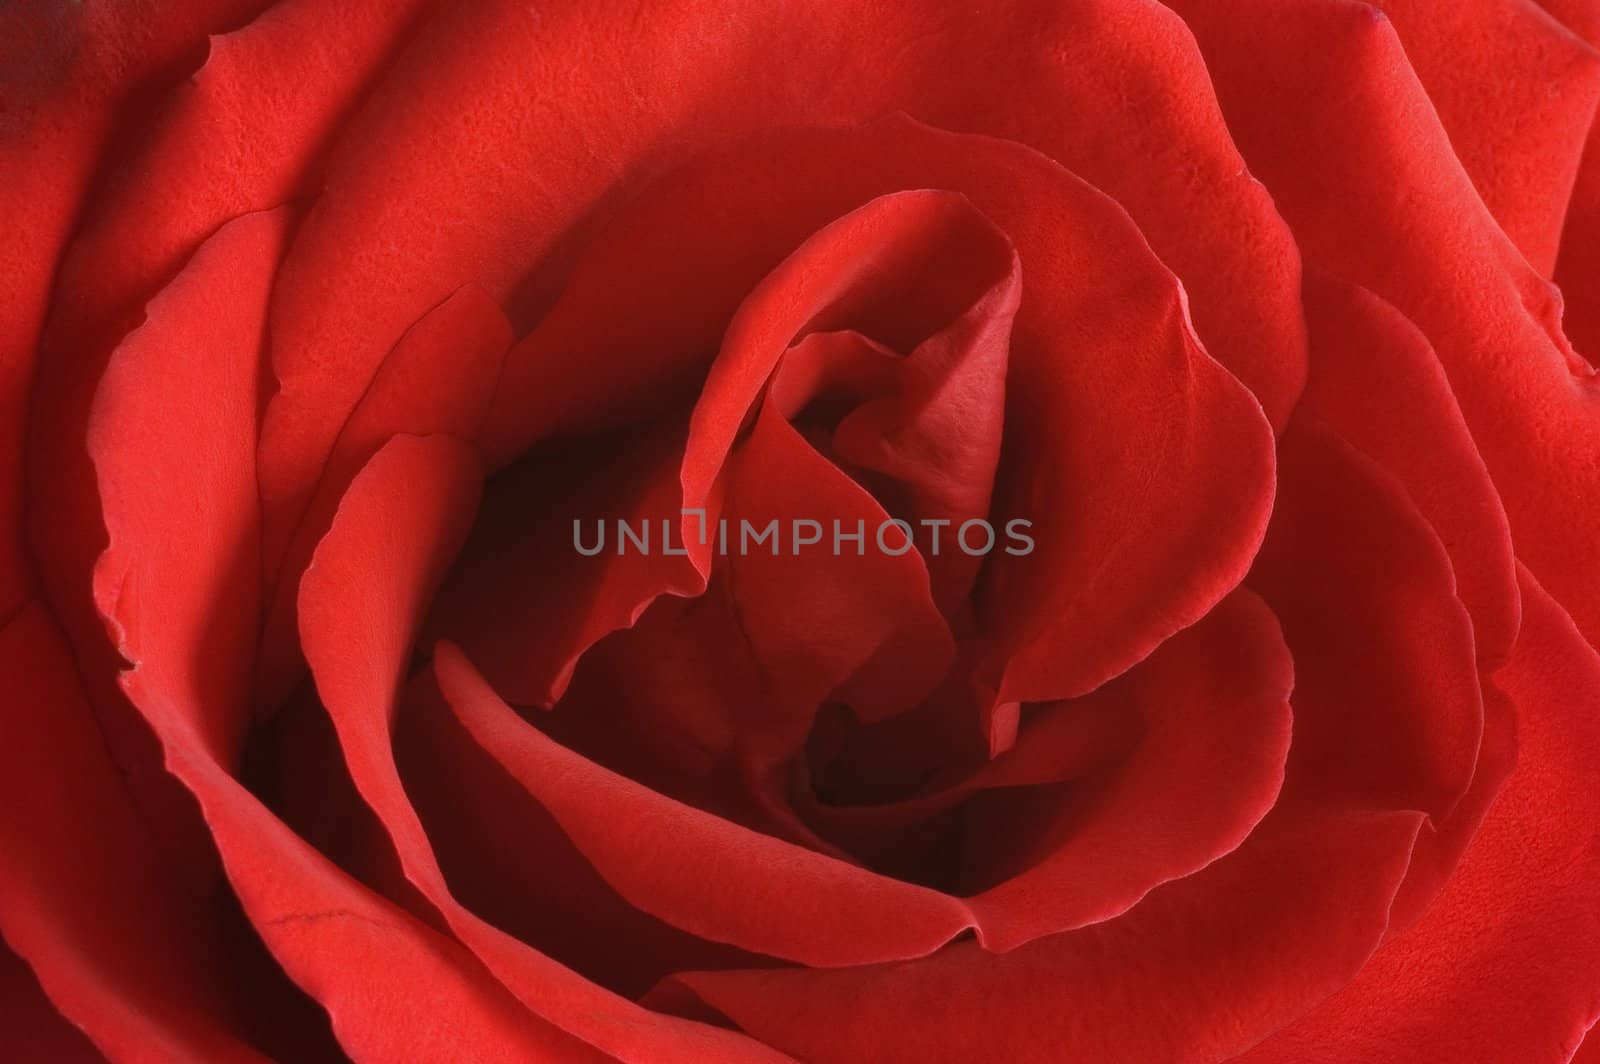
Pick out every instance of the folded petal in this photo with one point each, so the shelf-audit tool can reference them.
(1516, 91)
(1375, 379)
(1501, 967)
(816, 618)
(70, 73)
(438, 379)
(696, 870)
(1333, 119)
(546, 573)
(361, 604)
(1213, 703)
(173, 440)
(32, 1028)
(1104, 797)
(1387, 696)
(121, 948)
(1222, 957)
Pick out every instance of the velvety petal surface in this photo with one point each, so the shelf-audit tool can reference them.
(1501, 967)
(174, 432)
(70, 74)
(1222, 955)
(697, 870)
(118, 942)
(398, 526)
(1386, 683)
(439, 378)
(1333, 119)
(1516, 90)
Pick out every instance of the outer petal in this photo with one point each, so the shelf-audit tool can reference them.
(1333, 118)
(1502, 967)
(114, 938)
(240, 287)
(69, 72)
(173, 441)
(438, 379)
(240, 136)
(1387, 691)
(1589, 1051)
(32, 1029)
(1377, 381)
(1516, 91)
(1578, 267)
(84, 86)
(242, 133)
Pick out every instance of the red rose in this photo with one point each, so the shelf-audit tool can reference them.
(474, 475)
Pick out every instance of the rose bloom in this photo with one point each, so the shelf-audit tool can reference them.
(324, 325)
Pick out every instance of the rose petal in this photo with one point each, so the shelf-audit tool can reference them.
(1377, 381)
(937, 435)
(76, 80)
(1214, 702)
(438, 378)
(1442, 841)
(542, 890)
(925, 428)
(242, 133)
(1502, 966)
(31, 1028)
(1578, 266)
(71, 74)
(1105, 797)
(361, 603)
(1516, 92)
(178, 492)
(1386, 682)
(1222, 957)
(1422, 442)
(872, 265)
(84, 895)
(900, 267)
(847, 613)
(903, 267)
(698, 871)
(173, 432)
(1333, 119)
(524, 599)
(1229, 953)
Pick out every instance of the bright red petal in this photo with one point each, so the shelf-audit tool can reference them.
(1501, 967)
